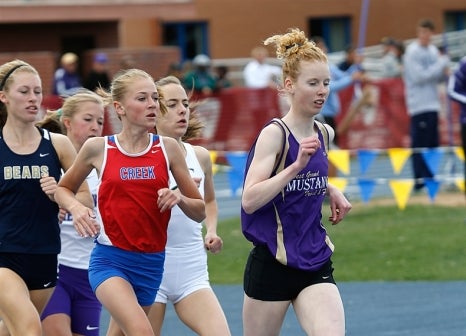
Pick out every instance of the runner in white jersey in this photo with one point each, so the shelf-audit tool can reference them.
(184, 234)
(73, 307)
(185, 281)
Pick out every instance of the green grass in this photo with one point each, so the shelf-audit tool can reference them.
(421, 242)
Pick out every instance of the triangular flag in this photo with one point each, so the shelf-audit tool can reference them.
(236, 180)
(213, 155)
(401, 190)
(398, 157)
(459, 153)
(460, 184)
(432, 157)
(339, 182)
(433, 187)
(367, 187)
(213, 159)
(237, 160)
(366, 157)
(340, 159)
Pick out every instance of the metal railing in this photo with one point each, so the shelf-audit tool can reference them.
(455, 42)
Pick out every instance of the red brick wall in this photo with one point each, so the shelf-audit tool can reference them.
(44, 62)
(154, 60)
(237, 26)
(234, 26)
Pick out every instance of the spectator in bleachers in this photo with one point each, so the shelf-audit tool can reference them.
(457, 91)
(391, 59)
(351, 56)
(258, 74)
(200, 79)
(424, 67)
(221, 74)
(339, 81)
(66, 78)
(175, 69)
(98, 76)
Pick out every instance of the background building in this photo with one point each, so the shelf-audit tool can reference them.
(155, 34)
(220, 28)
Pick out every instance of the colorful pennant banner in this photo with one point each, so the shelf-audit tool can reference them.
(401, 188)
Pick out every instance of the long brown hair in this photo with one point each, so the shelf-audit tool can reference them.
(195, 125)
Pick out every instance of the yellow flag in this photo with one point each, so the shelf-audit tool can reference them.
(459, 153)
(460, 184)
(398, 157)
(401, 189)
(338, 182)
(340, 159)
(213, 159)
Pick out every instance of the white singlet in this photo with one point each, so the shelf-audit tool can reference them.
(185, 256)
(75, 250)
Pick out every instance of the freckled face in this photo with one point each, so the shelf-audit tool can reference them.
(312, 87)
(175, 122)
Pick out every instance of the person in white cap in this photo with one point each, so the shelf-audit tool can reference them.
(200, 79)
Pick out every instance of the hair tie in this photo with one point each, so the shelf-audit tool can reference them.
(293, 45)
(8, 74)
(59, 112)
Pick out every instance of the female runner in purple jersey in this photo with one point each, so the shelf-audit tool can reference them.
(282, 200)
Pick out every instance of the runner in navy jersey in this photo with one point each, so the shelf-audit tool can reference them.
(286, 182)
(31, 161)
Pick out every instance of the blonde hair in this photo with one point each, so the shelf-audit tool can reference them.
(53, 120)
(119, 86)
(294, 47)
(7, 75)
(195, 126)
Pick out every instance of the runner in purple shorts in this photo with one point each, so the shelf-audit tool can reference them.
(73, 307)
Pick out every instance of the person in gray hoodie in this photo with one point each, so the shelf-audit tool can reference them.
(424, 67)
